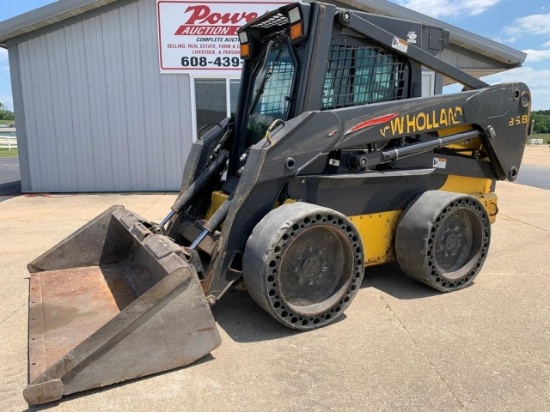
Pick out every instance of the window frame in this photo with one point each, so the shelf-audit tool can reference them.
(192, 79)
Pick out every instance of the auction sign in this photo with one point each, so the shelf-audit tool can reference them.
(201, 37)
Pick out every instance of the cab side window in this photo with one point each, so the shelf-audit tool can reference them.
(363, 74)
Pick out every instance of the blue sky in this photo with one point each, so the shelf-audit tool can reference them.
(521, 24)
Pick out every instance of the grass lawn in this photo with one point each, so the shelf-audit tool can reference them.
(8, 153)
(7, 121)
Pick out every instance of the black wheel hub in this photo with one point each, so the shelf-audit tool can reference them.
(316, 265)
(455, 241)
(458, 244)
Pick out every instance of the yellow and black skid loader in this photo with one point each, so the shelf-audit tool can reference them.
(333, 162)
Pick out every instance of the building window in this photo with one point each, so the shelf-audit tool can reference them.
(215, 99)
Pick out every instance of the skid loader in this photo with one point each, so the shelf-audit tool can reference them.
(332, 163)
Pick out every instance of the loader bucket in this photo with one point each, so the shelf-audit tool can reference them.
(112, 302)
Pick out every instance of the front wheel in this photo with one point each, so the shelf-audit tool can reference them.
(303, 264)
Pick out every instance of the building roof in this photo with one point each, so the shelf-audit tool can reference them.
(46, 16)
(472, 53)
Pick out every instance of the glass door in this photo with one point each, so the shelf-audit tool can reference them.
(213, 100)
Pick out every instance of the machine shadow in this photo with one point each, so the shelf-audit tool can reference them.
(390, 279)
(244, 321)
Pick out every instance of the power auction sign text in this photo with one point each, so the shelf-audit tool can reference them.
(201, 37)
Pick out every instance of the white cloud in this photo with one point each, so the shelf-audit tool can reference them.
(547, 44)
(448, 8)
(537, 80)
(535, 24)
(536, 55)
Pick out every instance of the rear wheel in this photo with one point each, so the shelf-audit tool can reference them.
(303, 264)
(442, 239)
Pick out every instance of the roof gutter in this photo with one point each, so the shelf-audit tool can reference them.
(45, 16)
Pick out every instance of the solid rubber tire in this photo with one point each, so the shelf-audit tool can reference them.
(433, 227)
(303, 264)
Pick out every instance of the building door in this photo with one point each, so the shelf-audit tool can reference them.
(213, 99)
(428, 83)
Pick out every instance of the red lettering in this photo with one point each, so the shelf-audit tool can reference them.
(203, 15)
(199, 12)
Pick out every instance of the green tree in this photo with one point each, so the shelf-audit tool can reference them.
(6, 114)
(542, 121)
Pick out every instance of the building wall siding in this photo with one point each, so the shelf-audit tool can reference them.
(98, 115)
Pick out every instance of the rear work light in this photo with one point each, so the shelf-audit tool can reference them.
(294, 15)
(296, 24)
(245, 45)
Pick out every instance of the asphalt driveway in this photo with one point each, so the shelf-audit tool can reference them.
(10, 179)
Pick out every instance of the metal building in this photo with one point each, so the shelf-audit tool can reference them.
(95, 113)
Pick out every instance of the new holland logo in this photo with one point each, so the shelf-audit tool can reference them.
(423, 121)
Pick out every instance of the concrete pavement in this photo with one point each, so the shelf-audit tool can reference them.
(400, 347)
